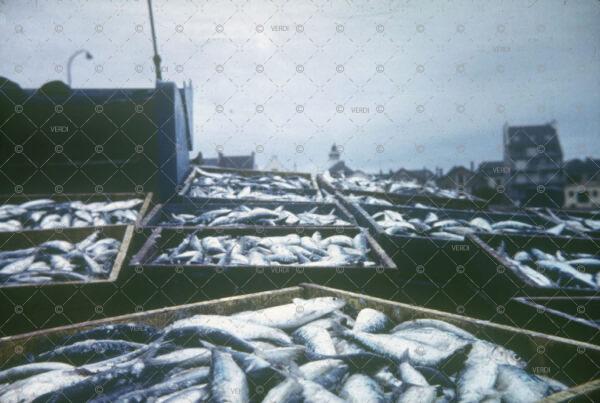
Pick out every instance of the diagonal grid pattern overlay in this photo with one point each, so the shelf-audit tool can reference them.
(392, 85)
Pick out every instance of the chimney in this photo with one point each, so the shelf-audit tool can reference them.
(472, 166)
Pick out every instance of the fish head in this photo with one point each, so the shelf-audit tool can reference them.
(504, 355)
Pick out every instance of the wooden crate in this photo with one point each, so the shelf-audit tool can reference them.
(408, 199)
(26, 307)
(566, 213)
(162, 212)
(569, 361)
(501, 280)
(187, 184)
(18, 198)
(571, 317)
(178, 284)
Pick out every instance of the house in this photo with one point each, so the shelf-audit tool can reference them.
(491, 174)
(534, 158)
(233, 161)
(582, 188)
(457, 178)
(274, 164)
(339, 169)
(422, 176)
(489, 182)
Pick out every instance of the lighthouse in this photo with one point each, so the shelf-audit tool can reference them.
(334, 154)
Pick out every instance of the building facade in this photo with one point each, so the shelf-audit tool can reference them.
(489, 182)
(534, 157)
(458, 178)
(582, 189)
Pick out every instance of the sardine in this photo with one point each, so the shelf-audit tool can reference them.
(231, 358)
(371, 321)
(298, 313)
(228, 381)
(48, 214)
(59, 260)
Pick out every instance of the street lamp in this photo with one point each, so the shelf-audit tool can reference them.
(88, 56)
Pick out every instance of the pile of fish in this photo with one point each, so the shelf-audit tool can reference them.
(368, 200)
(576, 223)
(59, 260)
(311, 350)
(263, 187)
(248, 250)
(371, 183)
(561, 269)
(394, 223)
(48, 214)
(244, 215)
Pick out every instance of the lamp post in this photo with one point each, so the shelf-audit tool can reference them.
(88, 56)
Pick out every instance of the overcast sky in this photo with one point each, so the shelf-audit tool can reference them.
(397, 83)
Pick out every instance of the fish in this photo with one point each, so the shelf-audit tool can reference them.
(136, 332)
(555, 268)
(191, 378)
(245, 216)
(427, 223)
(91, 350)
(192, 394)
(49, 214)
(371, 321)
(193, 335)
(183, 358)
(372, 183)
(228, 381)
(27, 370)
(517, 385)
(255, 187)
(294, 315)
(316, 339)
(418, 393)
(235, 325)
(60, 260)
(578, 224)
(46, 383)
(328, 373)
(360, 388)
(368, 200)
(244, 357)
(387, 379)
(477, 379)
(289, 391)
(246, 250)
(312, 392)
(408, 374)
(401, 349)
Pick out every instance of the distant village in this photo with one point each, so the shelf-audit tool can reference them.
(532, 171)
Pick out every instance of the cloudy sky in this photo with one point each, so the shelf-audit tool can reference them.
(397, 83)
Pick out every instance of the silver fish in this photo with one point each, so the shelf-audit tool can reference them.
(48, 214)
(228, 381)
(291, 316)
(225, 358)
(312, 392)
(557, 269)
(236, 325)
(328, 373)
(59, 260)
(371, 321)
(336, 250)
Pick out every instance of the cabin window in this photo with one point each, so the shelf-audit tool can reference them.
(583, 197)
